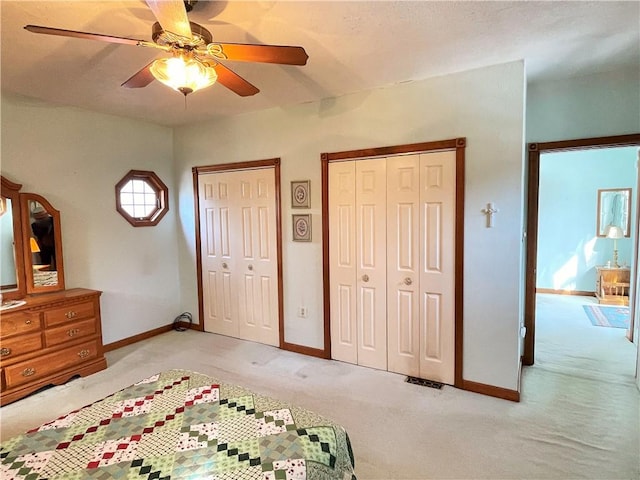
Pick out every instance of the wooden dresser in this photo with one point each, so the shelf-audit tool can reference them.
(612, 285)
(48, 340)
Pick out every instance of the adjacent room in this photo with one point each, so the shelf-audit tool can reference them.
(322, 240)
(583, 300)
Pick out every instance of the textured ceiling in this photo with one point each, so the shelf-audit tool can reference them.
(352, 46)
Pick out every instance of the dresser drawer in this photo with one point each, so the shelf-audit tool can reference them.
(30, 370)
(19, 322)
(70, 331)
(14, 346)
(76, 311)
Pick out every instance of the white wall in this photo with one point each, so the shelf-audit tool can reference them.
(589, 106)
(74, 158)
(484, 105)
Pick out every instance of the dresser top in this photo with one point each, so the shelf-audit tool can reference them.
(31, 301)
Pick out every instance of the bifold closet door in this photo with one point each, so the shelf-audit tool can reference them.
(403, 270)
(371, 264)
(256, 263)
(420, 265)
(216, 237)
(357, 212)
(342, 260)
(437, 266)
(239, 254)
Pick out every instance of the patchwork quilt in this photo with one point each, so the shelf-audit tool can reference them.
(182, 425)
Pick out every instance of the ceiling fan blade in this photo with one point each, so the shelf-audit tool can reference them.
(281, 54)
(234, 82)
(141, 78)
(90, 36)
(172, 16)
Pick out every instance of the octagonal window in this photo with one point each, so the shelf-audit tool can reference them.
(141, 198)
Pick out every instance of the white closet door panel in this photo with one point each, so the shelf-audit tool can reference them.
(437, 266)
(220, 310)
(257, 262)
(342, 261)
(403, 273)
(371, 273)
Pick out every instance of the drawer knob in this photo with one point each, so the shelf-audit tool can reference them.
(4, 351)
(27, 321)
(72, 332)
(27, 372)
(84, 353)
(70, 314)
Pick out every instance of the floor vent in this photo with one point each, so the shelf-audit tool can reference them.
(424, 383)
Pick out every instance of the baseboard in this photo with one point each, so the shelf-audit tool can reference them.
(314, 352)
(580, 293)
(498, 392)
(144, 335)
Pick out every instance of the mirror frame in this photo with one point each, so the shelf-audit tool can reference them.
(12, 191)
(25, 198)
(600, 228)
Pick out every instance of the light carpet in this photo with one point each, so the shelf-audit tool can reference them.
(567, 425)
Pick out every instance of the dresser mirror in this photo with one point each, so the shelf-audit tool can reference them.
(12, 279)
(42, 244)
(27, 266)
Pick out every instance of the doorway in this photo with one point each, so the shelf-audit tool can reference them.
(533, 222)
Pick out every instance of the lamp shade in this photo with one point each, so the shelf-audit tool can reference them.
(34, 245)
(613, 231)
(186, 75)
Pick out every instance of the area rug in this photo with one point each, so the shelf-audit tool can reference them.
(608, 316)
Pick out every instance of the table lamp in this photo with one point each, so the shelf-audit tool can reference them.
(615, 232)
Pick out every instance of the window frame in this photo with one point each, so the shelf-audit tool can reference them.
(160, 189)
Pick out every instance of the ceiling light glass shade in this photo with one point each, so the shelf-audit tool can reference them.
(185, 75)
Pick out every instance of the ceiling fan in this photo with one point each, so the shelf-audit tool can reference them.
(194, 58)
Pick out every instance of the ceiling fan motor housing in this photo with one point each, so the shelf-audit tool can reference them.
(160, 37)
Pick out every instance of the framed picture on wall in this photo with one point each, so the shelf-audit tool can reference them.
(300, 194)
(302, 228)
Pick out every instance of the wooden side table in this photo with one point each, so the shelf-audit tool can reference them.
(612, 285)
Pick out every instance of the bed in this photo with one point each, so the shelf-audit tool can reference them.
(182, 425)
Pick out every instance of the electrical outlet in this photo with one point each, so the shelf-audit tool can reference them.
(302, 312)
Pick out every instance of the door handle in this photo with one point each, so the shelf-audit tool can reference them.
(224, 264)
(250, 267)
(365, 278)
(408, 281)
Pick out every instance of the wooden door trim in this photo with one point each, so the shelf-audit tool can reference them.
(226, 167)
(533, 186)
(459, 144)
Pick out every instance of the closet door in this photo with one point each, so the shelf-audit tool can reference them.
(256, 261)
(239, 254)
(342, 259)
(371, 270)
(437, 266)
(403, 272)
(215, 205)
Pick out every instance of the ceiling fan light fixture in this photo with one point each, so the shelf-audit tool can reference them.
(183, 74)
